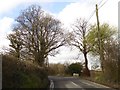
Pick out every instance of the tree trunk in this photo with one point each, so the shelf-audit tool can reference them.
(18, 54)
(39, 58)
(86, 71)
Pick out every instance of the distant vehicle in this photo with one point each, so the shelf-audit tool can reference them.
(75, 74)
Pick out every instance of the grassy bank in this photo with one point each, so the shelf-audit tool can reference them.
(22, 74)
(98, 77)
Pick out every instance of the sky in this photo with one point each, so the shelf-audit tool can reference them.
(67, 11)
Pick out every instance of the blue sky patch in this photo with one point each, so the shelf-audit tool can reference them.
(54, 7)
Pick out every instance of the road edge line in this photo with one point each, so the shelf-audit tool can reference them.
(51, 85)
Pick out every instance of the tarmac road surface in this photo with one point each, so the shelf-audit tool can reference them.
(68, 83)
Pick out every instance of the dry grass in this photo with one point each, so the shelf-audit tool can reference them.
(99, 78)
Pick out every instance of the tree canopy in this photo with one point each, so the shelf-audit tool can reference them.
(41, 34)
(74, 68)
(106, 33)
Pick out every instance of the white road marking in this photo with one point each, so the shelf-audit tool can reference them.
(96, 85)
(51, 85)
(75, 84)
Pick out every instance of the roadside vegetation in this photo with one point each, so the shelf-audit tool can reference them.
(99, 77)
(22, 74)
(65, 70)
(110, 69)
(74, 68)
(37, 34)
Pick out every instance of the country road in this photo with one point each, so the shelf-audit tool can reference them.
(75, 83)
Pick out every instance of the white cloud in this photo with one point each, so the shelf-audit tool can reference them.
(70, 56)
(83, 8)
(69, 14)
(65, 54)
(6, 5)
(5, 28)
(108, 13)
(5, 24)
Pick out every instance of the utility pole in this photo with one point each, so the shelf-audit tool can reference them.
(98, 27)
(99, 39)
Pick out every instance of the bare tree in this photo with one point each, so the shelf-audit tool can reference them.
(78, 38)
(41, 33)
(111, 64)
(16, 43)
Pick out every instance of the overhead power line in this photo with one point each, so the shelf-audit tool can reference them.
(91, 16)
(103, 4)
(93, 12)
(99, 4)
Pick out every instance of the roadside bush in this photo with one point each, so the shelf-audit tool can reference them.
(111, 65)
(74, 68)
(56, 69)
(111, 71)
(22, 74)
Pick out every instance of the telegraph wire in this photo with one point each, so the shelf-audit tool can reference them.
(100, 2)
(95, 9)
(91, 16)
(103, 4)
